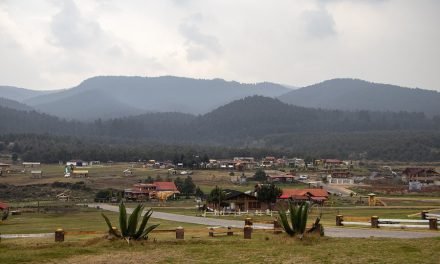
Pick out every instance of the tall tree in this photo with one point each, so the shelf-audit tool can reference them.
(268, 193)
(217, 196)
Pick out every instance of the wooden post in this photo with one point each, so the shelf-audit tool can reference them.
(180, 233)
(248, 221)
(230, 232)
(211, 232)
(339, 220)
(59, 235)
(375, 222)
(433, 223)
(247, 232)
(423, 214)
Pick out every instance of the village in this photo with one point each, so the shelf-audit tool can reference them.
(219, 199)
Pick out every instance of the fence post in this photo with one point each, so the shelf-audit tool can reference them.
(375, 222)
(339, 220)
(247, 232)
(433, 223)
(59, 235)
(211, 232)
(423, 214)
(230, 232)
(180, 233)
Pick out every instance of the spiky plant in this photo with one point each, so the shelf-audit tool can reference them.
(298, 219)
(129, 230)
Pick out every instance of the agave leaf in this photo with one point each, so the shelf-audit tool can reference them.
(144, 223)
(285, 223)
(123, 219)
(109, 224)
(304, 215)
(133, 220)
(147, 231)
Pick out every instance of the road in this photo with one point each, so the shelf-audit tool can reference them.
(329, 231)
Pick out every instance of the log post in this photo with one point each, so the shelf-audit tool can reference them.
(375, 222)
(211, 232)
(247, 232)
(339, 220)
(230, 232)
(433, 223)
(59, 235)
(180, 233)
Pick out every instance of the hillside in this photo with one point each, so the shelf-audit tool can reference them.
(20, 94)
(352, 94)
(14, 105)
(118, 96)
(252, 122)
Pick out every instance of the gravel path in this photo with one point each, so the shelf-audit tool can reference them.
(329, 231)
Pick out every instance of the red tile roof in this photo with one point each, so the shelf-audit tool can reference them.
(165, 186)
(3, 206)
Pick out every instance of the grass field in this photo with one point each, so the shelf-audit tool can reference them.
(197, 247)
(262, 248)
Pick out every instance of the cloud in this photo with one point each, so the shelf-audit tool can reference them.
(72, 30)
(318, 23)
(199, 46)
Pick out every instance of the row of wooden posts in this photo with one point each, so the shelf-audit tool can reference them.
(180, 231)
(374, 221)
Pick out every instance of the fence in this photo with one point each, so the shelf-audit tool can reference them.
(428, 221)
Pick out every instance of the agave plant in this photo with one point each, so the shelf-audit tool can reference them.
(129, 230)
(298, 219)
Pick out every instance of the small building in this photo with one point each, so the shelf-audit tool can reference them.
(237, 200)
(318, 196)
(146, 191)
(280, 178)
(37, 174)
(422, 175)
(31, 164)
(80, 173)
(77, 163)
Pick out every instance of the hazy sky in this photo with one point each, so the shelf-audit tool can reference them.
(51, 44)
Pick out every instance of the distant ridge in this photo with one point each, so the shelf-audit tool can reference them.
(353, 94)
(117, 96)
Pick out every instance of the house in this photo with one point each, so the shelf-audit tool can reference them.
(340, 177)
(80, 173)
(423, 175)
(332, 163)
(318, 196)
(77, 163)
(146, 191)
(4, 167)
(240, 201)
(280, 178)
(268, 162)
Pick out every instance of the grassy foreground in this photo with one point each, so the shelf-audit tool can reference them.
(262, 248)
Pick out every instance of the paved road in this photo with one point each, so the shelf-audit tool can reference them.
(329, 231)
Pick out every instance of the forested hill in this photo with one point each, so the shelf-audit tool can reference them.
(257, 122)
(241, 121)
(352, 94)
(109, 97)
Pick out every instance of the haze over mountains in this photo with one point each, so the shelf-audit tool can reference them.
(118, 96)
(109, 97)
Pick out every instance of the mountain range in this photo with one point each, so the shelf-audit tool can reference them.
(108, 97)
(353, 94)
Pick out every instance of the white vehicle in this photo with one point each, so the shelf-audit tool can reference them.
(303, 177)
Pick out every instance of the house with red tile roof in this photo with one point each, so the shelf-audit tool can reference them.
(318, 196)
(146, 191)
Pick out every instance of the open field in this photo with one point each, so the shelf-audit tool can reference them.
(262, 248)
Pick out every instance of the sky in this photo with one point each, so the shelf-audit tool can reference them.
(54, 44)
